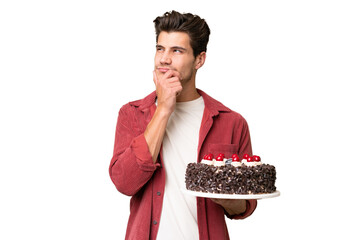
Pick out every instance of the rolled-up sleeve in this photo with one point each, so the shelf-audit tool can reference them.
(131, 166)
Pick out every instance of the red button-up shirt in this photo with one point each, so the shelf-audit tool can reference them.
(134, 174)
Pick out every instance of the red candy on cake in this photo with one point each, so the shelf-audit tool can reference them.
(250, 159)
(220, 157)
(235, 158)
(256, 158)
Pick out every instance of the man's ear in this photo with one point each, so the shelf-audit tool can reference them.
(200, 60)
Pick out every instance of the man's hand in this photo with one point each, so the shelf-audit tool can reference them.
(168, 87)
(232, 206)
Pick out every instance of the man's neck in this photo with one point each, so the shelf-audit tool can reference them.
(188, 95)
(188, 92)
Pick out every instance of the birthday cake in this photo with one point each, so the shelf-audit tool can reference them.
(231, 175)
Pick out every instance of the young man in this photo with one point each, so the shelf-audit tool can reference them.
(157, 137)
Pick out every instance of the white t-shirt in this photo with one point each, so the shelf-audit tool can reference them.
(179, 212)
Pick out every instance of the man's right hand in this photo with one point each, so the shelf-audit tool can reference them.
(168, 87)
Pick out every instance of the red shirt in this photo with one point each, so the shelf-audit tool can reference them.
(134, 174)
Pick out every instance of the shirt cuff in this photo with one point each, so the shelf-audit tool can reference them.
(143, 156)
(250, 208)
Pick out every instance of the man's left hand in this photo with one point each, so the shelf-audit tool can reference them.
(231, 206)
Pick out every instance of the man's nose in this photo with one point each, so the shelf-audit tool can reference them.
(165, 59)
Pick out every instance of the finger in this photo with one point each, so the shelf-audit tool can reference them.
(175, 87)
(173, 80)
(178, 90)
(172, 73)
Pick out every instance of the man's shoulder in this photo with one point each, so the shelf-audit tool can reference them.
(141, 103)
(233, 118)
(233, 114)
(216, 106)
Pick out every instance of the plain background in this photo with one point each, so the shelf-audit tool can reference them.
(66, 67)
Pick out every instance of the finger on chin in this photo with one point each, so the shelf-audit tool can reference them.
(172, 73)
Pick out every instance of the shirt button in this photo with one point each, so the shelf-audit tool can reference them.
(158, 193)
(155, 222)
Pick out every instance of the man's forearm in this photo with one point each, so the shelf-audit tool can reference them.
(168, 86)
(155, 132)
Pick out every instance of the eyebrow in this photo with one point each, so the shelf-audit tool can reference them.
(174, 47)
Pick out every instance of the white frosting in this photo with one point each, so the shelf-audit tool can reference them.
(250, 164)
(219, 163)
(208, 162)
(236, 164)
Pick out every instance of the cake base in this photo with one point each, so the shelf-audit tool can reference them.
(231, 196)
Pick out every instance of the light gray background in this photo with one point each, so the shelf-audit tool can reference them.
(66, 67)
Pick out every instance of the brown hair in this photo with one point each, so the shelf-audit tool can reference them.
(193, 25)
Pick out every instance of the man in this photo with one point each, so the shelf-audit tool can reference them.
(157, 137)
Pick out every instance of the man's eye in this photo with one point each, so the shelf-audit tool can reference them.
(177, 51)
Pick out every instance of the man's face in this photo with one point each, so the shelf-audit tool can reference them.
(174, 52)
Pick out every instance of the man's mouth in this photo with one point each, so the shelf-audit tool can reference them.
(163, 69)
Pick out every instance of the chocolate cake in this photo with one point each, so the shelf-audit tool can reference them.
(231, 176)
